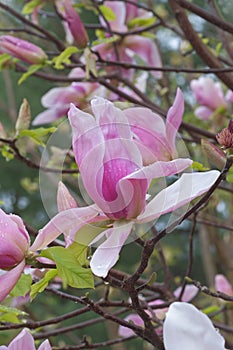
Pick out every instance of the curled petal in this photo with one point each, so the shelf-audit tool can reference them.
(188, 187)
(107, 254)
(186, 327)
(9, 279)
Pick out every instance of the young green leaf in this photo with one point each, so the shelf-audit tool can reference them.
(64, 57)
(40, 286)
(30, 6)
(107, 12)
(31, 70)
(22, 287)
(37, 135)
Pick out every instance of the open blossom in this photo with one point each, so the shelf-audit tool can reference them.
(130, 45)
(58, 99)
(113, 174)
(24, 341)
(186, 327)
(209, 96)
(22, 49)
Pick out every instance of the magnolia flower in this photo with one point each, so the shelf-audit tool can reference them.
(209, 95)
(14, 245)
(113, 174)
(130, 45)
(189, 293)
(58, 99)
(225, 136)
(22, 49)
(24, 341)
(223, 285)
(185, 327)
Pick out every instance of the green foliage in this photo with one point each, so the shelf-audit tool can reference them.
(3, 59)
(10, 314)
(31, 70)
(107, 12)
(64, 57)
(142, 22)
(68, 266)
(22, 287)
(7, 153)
(40, 286)
(30, 6)
(198, 166)
(37, 135)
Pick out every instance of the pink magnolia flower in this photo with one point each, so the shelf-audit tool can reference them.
(14, 244)
(223, 285)
(24, 341)
(130, 46)
(185, 327)
(74, 22)
(189, 293)
(58, 99)
(22, 49)
(113, 174)
(209, 95)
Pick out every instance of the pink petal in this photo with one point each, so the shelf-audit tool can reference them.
(107, 254)
(188, 187)
(203, 112)
(120, 12)
(23, 341)
(9, 279)
(51, 114)
(147, 50)
(223, 285)
(127, 332)
(64, 221)
(64, 198)
(45, 345)
(189, 293)
(174, 119)
(186, 327)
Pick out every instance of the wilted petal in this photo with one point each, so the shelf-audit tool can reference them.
(185, 327)
(107, 254)
(174, 119)
(64, 221)
(9, 279)
(188, 187)
(147, 50)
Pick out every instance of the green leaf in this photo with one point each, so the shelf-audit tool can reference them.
(7, 153)
(210, 309)
(37, 135)
(40, 286)
(142, 22)
(69, 268)
(198, 166)
(22, 287)
(12, 310)
(64, 57)
(3, 59)
(31, 70)
(107, 12)
(79, 251)
(105, 40)
(30, 6)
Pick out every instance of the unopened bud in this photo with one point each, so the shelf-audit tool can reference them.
(24, 117)
(225, 137)
(213, 154)
(75, 24)
(22, 49)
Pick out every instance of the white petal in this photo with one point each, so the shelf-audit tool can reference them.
(107, 254)
(186, 327)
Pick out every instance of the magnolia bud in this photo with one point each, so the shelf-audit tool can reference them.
(24, 117)
(225, 137)
(22, 49)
